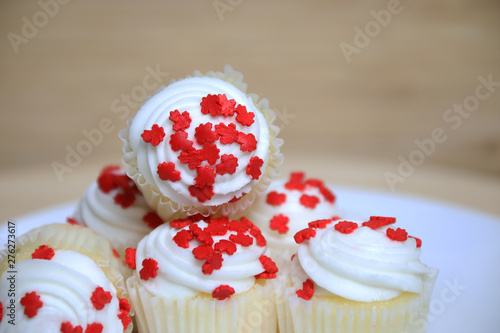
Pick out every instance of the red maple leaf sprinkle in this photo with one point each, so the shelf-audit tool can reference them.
(215, 229)
(72, 221)
(244, 117)
(110, 179)
(124, 305)
(153, 136)
(225, 246)
(319, 224)
(94, 328)
(210, 152)
(249, 224)
(115, 253)
(181, 120)
(130, 257)
(304, 234)
(202, 194)
(206, 176)
(214, 261)
(192, 157)
(222, 292)
(279, 223)
(182, 238)
(253, 168)
(293, 256)
(124, 318)
(152, 219)
(399, 234)
(106, 179)
(167, 171)
(43, 252)
(228, 164)
(210, 104)
(265, 275)
(242, 239)
(227, 133)
(204, 238)
(247, 142)
(179, 141)
(100, 298)
(66, 327)
(31, 302)
(125, 199)
(204, 133)
(259, 238)
(149, 269)
(218, 220)
(235, 198)
(345, 227)
(202, 252)
(327, 194)
(315, 183)
(227, 105)
(237, 226)
(418, 240)
(275, 199)
(307, 290)
(180, 223)
(296, 181)
(309, 201)
(195, 229)
(378, 221)
(268, 264)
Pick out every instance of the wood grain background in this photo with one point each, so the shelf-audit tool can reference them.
(356, 86)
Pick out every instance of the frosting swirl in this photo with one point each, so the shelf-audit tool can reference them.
(182, 271)
(361, 265)
(59, 291)
(203, 157)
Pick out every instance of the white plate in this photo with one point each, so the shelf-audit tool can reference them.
(463, 244)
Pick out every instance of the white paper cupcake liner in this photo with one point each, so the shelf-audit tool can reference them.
(253, 311)
(168, 209)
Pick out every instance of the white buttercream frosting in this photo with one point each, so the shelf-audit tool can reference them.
(186, 95)
(364, 265)
(181, 275)
(65, 284)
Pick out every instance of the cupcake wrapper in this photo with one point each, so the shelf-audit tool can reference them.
(323, 315)
(168, 209)
(253, 311)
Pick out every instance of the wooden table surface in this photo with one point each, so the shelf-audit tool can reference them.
(394, 96)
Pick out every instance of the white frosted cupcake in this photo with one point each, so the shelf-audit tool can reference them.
(202, 145)
(203, 276)
(114, 207)
(66, 280)
(287, 207)
(357, 277)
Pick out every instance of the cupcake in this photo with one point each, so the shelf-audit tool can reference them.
(203, 275)
(287, 207)
(202, 145)
(65, 281)
(113, 207)
(350, 276)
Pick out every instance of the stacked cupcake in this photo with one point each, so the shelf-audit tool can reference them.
(202, 237)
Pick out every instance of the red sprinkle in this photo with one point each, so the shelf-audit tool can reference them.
(202, 252)
(206, 176)
(167, 171)
(225, 246)
(179, 141)
(222, 292)
(328, 195)
(418, 240)
(124, 318)
(124, 304)
(253, 168)
(192, 157)
(72, 221)
(154, 136)
(180, 223)
(218, 220)
(227, 105)
(202, 194)
(106, 179)
(237, 226)
(296, 181)
(242, 239)
(217, 105)
(130, 257)
(43, 252)
(204, 133)
(66, 327)
(100, 298)
(244, 117)
(247, 142)
(115, 253)
(228, 164)
(265, 275)
(227, 133)
(309, 201)
(214, 261)
(149, 269)
(268, 264)
(31, 302)
(94, 328)
(152, 219)
(210, 152)
(275, 199)
(1, 312)
(216, 229)
(307, 290)
(181, 121)
(345, 227)
(378, 221)
(279, 223)
(182, 238)
(319, 224)
(399, 234)
(304, 234)
(109, 180)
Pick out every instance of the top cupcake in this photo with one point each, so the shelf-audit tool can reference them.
(201, 143)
